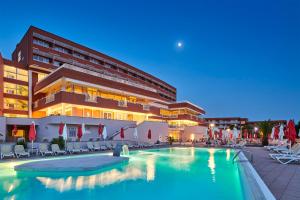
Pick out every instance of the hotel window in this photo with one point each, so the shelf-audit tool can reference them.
(11, 88)
(78, 55)
(15, 73)
(15, 104)
(107, 115)
(57, 63)
(94, 61)
(61, 49)
(41, 76)
(41, 43)
(77, 89)
(72, 132)
(41, 59)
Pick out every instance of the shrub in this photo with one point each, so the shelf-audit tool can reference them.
(59, 141)
(22, 142)
(170, 140)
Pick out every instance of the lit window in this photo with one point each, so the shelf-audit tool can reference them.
(15, 104)
(11, 88)
(41, 76)
(15, 73)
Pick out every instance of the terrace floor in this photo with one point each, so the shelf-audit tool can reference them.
(282, 180)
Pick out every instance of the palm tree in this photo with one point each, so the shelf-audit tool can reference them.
(265, 128)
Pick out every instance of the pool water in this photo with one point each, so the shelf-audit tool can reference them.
(172, 173)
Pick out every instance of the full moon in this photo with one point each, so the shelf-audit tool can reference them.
(179, 44)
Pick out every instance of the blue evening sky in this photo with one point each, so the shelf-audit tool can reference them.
(239, 58)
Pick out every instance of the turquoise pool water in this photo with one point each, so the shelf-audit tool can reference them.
(174, 173)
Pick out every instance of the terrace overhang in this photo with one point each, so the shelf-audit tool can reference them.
(187, 105)
(96, 79)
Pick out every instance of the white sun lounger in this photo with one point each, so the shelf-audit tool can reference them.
(56, 150)
(96, 146)
(90, 146)
(288, 158)
(70, 148)
(6, 151)
(43, 150)
(78, 147)
(295, 150)
(20, 151)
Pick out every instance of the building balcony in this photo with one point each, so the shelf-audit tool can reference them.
(93, 101)
(181, 117)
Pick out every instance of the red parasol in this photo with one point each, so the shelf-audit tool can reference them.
(210, 133)
(61, 128)
(32, 132)
(100, 129)
(291, 131)
(122, 133)
(15, 130)
(79, 131)
(245, 133)
(149, 134)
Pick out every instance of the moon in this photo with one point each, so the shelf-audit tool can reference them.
(179, 44)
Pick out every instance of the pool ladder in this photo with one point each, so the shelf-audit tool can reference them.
(241, 150)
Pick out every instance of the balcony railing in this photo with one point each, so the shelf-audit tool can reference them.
(146, 107)
(122, 103)
(50, 98)
(90, 98)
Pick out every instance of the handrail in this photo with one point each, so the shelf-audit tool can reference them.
(119, 131)
(241, 150)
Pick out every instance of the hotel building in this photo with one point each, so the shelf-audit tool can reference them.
(50, 79)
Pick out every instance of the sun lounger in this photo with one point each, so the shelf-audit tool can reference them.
(6, 151)
(20, 151)
(78, 147)
(286, 159)
(56, 150)
(90, 146)
(97, 146)
(70, 148)
(295, 150)
(43, 150)
(103, 148)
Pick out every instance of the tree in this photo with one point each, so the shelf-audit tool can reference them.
(265, 128)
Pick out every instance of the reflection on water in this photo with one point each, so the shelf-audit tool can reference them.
(182, 158)
(227, 154)
(81, 182)
(212, 164)
(150, 168)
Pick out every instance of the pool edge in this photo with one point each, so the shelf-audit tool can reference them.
(250, 170)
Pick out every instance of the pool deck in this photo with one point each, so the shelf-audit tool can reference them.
(282, 180)
(72, 164)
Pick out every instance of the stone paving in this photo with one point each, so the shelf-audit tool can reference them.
(282, 180)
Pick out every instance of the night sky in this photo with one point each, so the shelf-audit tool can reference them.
(238, 58)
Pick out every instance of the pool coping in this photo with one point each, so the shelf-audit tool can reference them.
(257, 186)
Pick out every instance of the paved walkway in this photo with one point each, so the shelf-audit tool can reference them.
(282, 180)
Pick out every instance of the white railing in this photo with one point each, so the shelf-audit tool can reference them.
(122, 103)
(50, 98)
(90, 98)
(146, 107)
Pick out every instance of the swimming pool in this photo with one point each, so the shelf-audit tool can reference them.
(171, 173)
